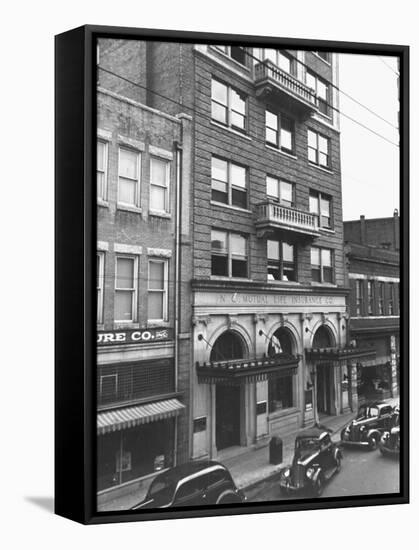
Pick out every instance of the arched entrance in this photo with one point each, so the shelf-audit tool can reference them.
(228, 399)
(323, 338)
(281, 392)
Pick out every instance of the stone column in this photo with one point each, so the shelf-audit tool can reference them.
(353, 386)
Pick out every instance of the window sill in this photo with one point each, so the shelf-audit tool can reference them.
(327, 170)
(128, 208)
(284, 153)
(326, 230)
(103, 203)
(286, 283)
(231, 130)
(125, 325)
(159, 214)
(223, 278)
(330, 285)
(231, 207)
(152, 324)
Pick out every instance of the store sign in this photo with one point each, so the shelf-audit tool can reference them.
(133, 336)
(232, 299)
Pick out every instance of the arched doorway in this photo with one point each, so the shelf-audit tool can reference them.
(228, 399)
(323, 338)
(281, 394)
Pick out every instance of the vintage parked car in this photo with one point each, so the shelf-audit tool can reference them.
(372, 420)
(192, 484)
(389, 443)
(316, 459)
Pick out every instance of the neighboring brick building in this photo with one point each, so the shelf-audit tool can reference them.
(373, 261)
(269, 314)
(143, 348)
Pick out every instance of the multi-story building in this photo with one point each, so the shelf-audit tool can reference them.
(373, 258)
(143, 349)
(269, 314)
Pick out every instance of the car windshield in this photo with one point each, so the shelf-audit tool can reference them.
(362, 413)
(307, 443)
(162, 488)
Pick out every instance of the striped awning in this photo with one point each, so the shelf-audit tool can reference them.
(121, 419)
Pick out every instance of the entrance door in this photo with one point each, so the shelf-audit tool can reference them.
(324, 381)
(227, 416)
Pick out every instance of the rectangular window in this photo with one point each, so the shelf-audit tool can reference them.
(228, 254)
(100, 261)
(359, 296)
(102, 170)
(370, 297)
(321, 89)
(318, 149)
(280, 393)
(321, 265)
(280, 191)
(281, 261)
(228, 183)
(380, 298)
(279, 58)
(228, 106)
(279, 131)
(324, 55)
(238, 53)
(391, 299)
(159, 185)
(128, 180)
(157, 290)
(108, 388)
(125, 288)
(320, 206)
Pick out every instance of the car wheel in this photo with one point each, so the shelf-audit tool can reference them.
(229, 498)
(372, 443)
(318, 486)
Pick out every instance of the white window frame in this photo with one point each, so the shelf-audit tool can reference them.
(229, 108)
(229, 182)
(279, 199)
(279, 129)
(227, 51)
(100, 287)
(166, 187)
(164, 291)
(104, 196)
(316, 162)
(318, 212)
(134, 290)
(138, 180)
(318, 79)
(230, 256)
(322, 266)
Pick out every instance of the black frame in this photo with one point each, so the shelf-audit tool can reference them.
(75, 223)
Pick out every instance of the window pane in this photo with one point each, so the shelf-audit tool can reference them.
(219, 265)
(287, 252)
(315, 256)
(157, 198)
(238, 54)
(237, 120)
(271, 120)
(238, 268)
(284, 62)
(218, 241)
(158, 172)
(156, 275)
(272, 136)
(271, 55)
(238, 102)
(101, 155)
(219, 192)
(315, 274)
(239, 198)
(312, 139)
(273, 250)
(312, 155)
(100, 184)
(123, 305)
(219, 113)
(238, 245)
(325, 207)
(314, 204)
(311, 80)
(287, 129)
(218, 169)
(326, 257)
(286, 192)
(127, 190)
(322, 90)
(155, 305)
(125, 273)
(323, 159)
(323, 144)
(238, 176)
(327, 275)
(289, 272)
(272, 187)
(219, 92)
(128, 163)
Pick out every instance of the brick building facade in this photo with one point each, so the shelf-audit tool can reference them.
(143, 349)
(372, 250)
(268, 327)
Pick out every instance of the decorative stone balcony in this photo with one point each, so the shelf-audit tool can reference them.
(271, 216)
(273, 83)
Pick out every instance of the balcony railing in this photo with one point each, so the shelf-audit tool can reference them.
(270, 79)
(271, 216)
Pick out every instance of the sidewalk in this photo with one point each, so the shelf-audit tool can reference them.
(253, 466)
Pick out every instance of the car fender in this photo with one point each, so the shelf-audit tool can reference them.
(337, 453)
(225, 493)
(374, 433)
(316, 475)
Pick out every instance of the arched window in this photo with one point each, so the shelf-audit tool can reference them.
(280, 342)
(281, 390)
(229, 345)
(323, 338)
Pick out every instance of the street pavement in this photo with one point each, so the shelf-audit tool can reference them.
(362, 473)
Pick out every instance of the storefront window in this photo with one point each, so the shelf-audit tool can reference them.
(280, 393)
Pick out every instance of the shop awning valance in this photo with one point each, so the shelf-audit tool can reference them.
(329, 355)
(121, 419)
(245, 370)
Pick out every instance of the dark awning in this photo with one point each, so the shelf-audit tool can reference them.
(244, 370)
(328, 355)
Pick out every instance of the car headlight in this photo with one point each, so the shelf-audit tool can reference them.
(286, 473)
(362, 428)
(310, 472)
